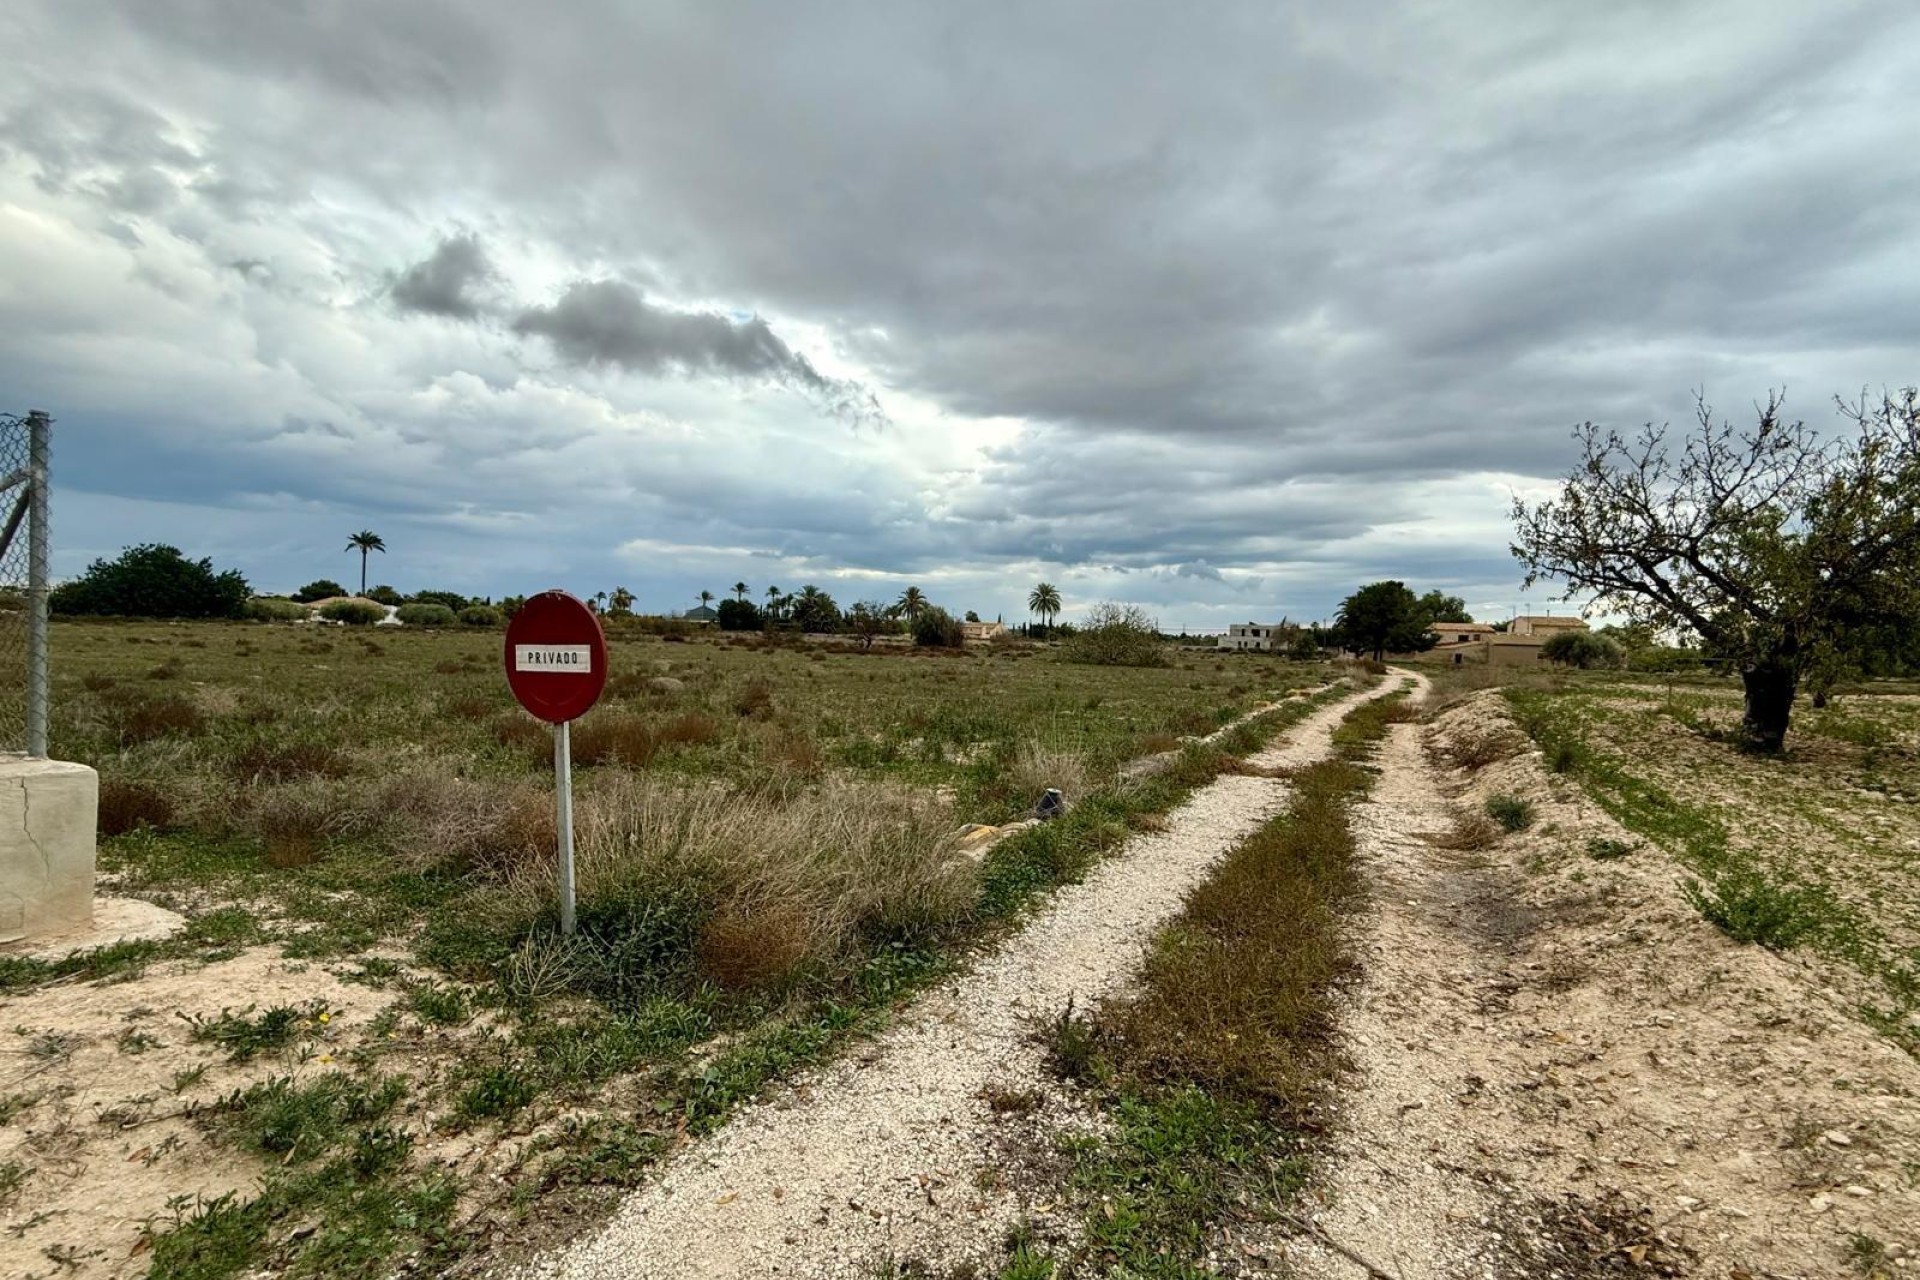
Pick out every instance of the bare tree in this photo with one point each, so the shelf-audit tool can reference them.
(1780, 549)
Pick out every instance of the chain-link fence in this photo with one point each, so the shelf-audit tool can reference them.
(23, 583)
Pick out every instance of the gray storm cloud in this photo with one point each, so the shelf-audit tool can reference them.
(610, 322)
(443, 284)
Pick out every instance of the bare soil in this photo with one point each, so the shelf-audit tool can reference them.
(1559, 1069)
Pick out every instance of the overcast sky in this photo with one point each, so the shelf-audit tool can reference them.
(1223, 309)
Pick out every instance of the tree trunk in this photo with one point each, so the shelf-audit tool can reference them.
(1770, 689)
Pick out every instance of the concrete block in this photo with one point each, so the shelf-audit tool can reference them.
(48, 809)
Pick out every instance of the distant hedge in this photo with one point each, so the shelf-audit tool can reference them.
(479, 615)
(355, 613)
(275, 609)
(427, 615)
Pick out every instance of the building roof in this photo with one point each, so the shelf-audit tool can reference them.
(1474, 628)
(1549, 621)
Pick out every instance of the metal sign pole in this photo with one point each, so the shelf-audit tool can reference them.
(38, 576)
(563, 792)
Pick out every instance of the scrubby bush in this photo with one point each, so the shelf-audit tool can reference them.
(451, 599)
(935, 628)
(275, 609)
(427, 615)
(354, 613)
(1511, 812)
(1117, 635)
(740, 615)
(153, 581)
(1582, 649)
(1659, 659)
(384, 594)
(479, 615)
(319, 589)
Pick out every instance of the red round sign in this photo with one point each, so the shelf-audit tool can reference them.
(556, 657)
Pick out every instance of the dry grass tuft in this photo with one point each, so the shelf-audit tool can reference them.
(97, 682)
(793, 751)
(614, 739)
(755, 701)
(171, 669)
(134, 717)
(524, 736)
(127, 806)
(690, 730)
(294, 824)
(470, 706)
(1157, 743)
(821, 867)
(1035, 768)
(747, 947)
(1476, 750)
(1470, 831)
(267, 760)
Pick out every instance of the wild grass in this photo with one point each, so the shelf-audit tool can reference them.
(764, 855)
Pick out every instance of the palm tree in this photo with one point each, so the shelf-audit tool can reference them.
(911, 602)
(1045, 601)
(706, 598)
(621, 601)
(364, 541)
(740, 592)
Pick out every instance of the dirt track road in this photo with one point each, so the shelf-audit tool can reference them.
(897, 1152)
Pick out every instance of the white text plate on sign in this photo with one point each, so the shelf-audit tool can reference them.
(575, 658)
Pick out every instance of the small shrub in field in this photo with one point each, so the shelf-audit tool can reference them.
(479, 615)
(1470, 831)
(137, 718)
(496, 1092)
(690, 730)
(353, 613)
(470, 706)
(448, 666)
(427, 615)
(1583, 649)
(526, 736)
(171, 669)
(245, 1036)
(96, 682)
(293, 825)
(1511, 812)
(1563, 756)
(793, 751)
(127, 806)
(742, 948)
(614, 739)
(935, 628)
(1601, 849)
(1117, 635)
(1156, 743)
(275, 609)
(264, 760)
(755, 701)
(1748, 907)
(1472, 751)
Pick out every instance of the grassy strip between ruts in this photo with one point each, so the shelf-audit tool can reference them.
(1745, 897)
(1213, 1076)
(342, 1161)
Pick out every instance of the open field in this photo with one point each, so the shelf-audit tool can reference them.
(369, 1049)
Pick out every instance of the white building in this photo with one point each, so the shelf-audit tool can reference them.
(1250, 635)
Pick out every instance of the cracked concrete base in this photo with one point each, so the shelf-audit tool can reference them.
(47, 814)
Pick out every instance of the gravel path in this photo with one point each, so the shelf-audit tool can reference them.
(898, 1152)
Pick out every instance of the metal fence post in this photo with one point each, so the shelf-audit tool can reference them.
(38, 575)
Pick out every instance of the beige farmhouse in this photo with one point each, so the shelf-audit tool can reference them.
(1518, 646)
